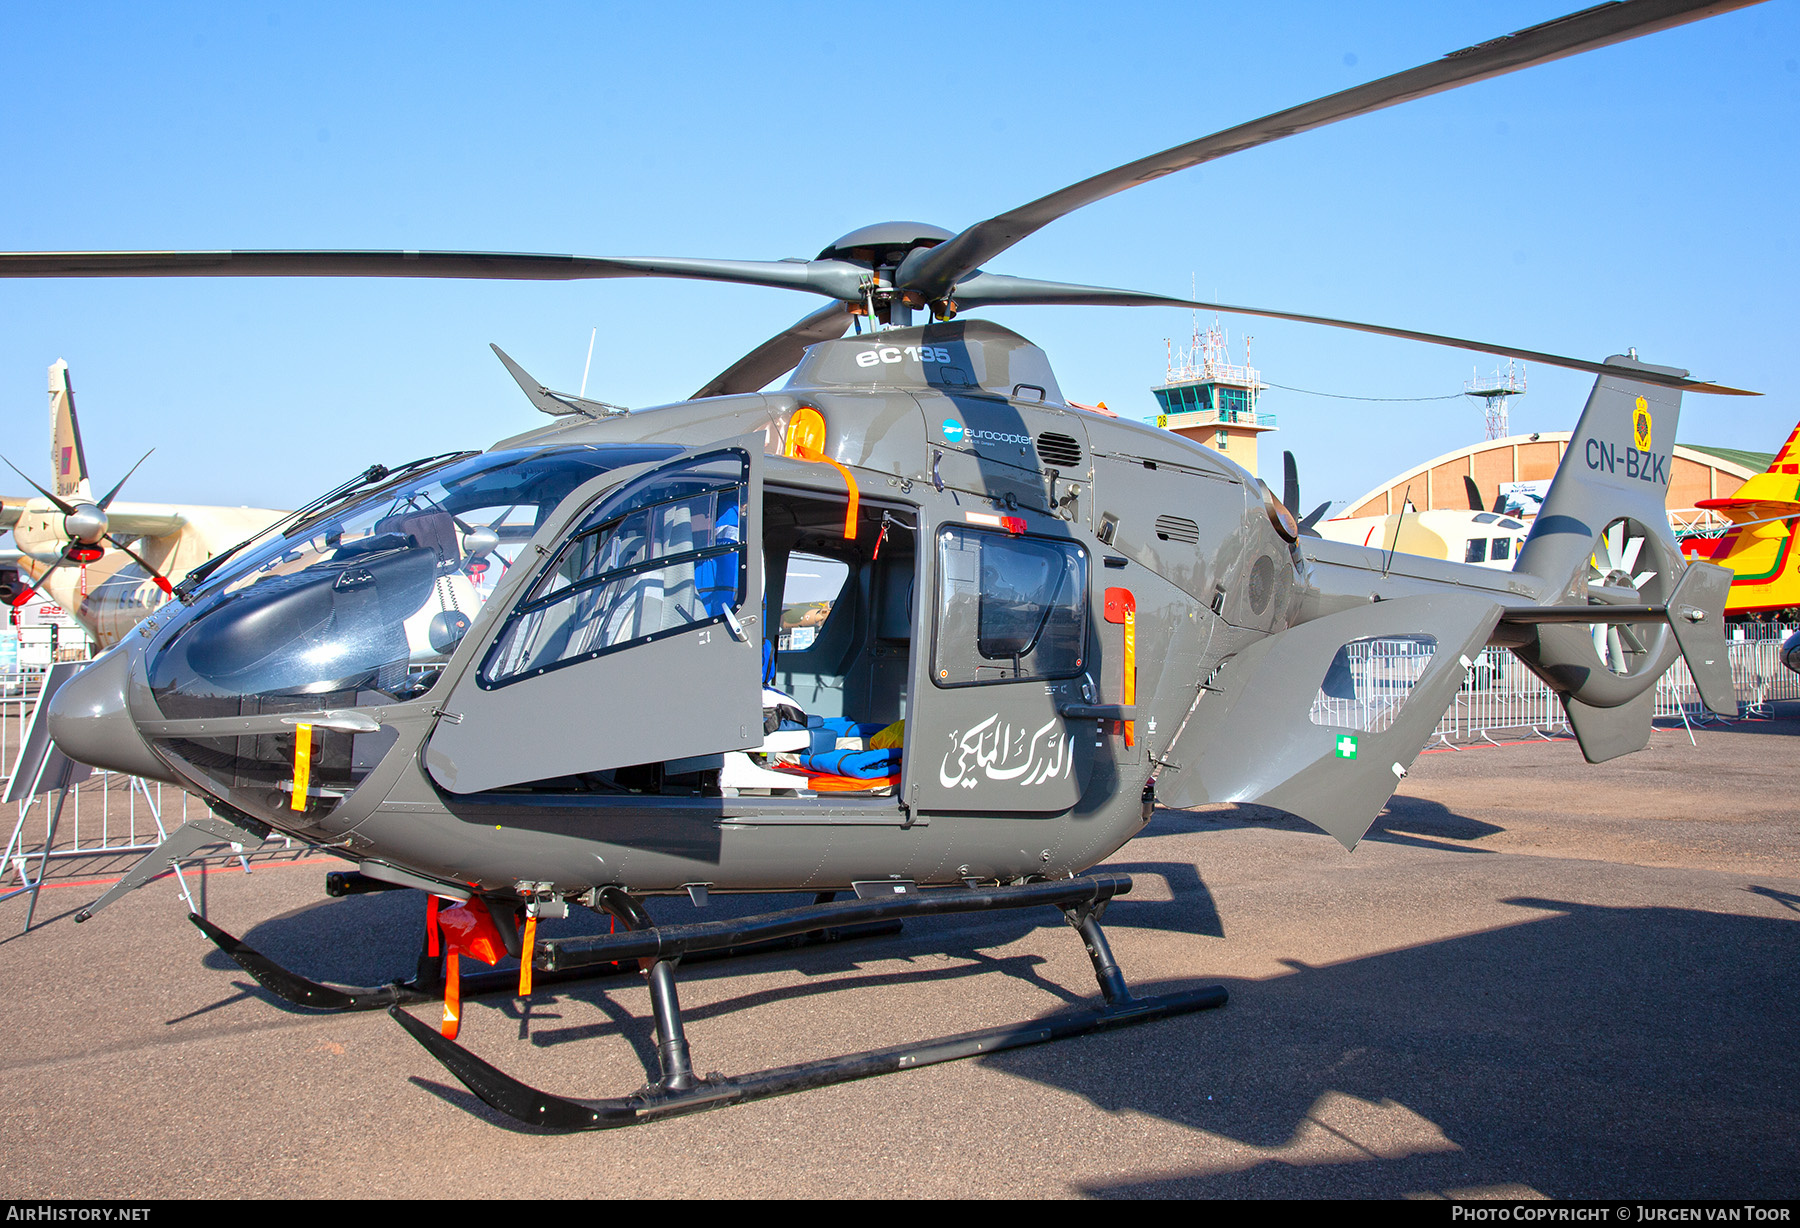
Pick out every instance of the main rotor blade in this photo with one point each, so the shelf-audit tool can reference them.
(779, 354)
(933, 271)
(833, 278)
(994, 289)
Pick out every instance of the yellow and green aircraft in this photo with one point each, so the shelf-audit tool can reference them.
(1759, 546)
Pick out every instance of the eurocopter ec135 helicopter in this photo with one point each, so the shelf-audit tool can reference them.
(1049, 620)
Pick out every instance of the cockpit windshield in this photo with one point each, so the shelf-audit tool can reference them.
(373, 597)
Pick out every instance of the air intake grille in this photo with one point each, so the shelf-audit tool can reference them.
(1177, 529)
(1061, 451)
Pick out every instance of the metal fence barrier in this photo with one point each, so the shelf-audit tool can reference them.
(1500, 695)
(107, 814)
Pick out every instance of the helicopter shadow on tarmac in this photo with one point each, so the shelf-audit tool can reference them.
(1594, 1052)
(1415, 821)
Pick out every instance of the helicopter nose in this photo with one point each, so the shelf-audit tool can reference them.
(90, 721)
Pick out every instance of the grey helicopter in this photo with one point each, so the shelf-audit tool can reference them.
(561, 671)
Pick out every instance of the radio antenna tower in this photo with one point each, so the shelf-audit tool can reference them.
(1494, 390)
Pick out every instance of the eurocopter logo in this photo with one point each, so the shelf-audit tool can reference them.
(1640, 425)
(953, 430)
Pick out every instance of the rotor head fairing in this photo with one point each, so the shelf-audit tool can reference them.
(885, 244)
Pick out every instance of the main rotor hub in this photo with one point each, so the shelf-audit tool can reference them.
(885, 244)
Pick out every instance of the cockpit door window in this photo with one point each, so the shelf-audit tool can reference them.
(637, 640)
(661, 556)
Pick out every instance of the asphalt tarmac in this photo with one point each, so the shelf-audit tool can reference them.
(1535, 978)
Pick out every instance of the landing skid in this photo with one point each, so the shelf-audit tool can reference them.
(427, 985)
(679, 1091)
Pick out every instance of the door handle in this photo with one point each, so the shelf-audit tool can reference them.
(1098, 712)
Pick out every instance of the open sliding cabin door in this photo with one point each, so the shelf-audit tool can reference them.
(637, 640)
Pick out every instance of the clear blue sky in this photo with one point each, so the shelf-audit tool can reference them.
(1636, 196)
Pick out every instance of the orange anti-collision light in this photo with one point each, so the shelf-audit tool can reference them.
(806, 441)
(805, 435)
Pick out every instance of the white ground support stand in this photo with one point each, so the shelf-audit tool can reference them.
(42, 768)
(20, 860)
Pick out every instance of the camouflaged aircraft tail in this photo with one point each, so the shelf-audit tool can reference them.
(68, 463)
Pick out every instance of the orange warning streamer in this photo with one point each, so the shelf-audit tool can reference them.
(302, 765)
(527, 945)
(1121, 607)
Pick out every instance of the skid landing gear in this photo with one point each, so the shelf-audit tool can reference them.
(427, 984)
(679, 1090)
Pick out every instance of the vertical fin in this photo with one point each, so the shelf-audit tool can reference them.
(1618, 463)
(68, 463)
(1788, 459)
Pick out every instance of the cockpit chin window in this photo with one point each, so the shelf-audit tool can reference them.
(365, 605)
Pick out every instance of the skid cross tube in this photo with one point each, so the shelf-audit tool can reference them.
(1081, 900)
(683, 941)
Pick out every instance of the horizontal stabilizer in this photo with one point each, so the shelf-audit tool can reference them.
(1746, 511)
(1264, 744)
(1697, 616)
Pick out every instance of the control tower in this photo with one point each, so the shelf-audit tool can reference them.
(1212, 402)
(1495, 389)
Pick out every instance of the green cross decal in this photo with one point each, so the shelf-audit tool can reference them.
(1346, 747)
